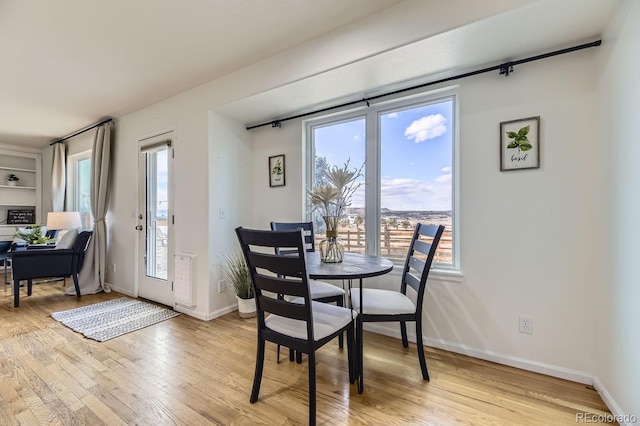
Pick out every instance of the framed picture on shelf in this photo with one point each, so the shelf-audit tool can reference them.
(276, 170)
(21, 217)
(520, 144)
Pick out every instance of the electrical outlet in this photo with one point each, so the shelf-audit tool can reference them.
(222, 286)
(526, 325)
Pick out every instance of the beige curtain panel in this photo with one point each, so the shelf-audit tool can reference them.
(58, 177)
(92, 274)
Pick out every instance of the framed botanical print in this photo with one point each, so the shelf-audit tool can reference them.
(276, 170)
(520, 144)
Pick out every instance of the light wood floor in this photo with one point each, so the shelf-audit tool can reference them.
(185, 371)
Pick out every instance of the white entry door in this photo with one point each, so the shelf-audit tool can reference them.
(155, 219)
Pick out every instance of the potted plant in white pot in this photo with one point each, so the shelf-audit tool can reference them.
(237, 272)
(12, 180)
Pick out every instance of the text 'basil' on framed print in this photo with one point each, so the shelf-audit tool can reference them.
(276, 170)
(520, 144)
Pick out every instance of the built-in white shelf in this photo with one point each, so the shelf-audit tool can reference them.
(27, 194)
(13, 169)
(17, 187)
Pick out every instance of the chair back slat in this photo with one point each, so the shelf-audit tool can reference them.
(283, 308)
(276, 263)
(412, 281)
(280, 285)
(419, 259)
(417, 264)
(422, 247)
(307, 228)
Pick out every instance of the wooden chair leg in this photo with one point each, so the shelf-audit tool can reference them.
(340, 302)
(76, 284)
(29, 287)
(403, 332)
(351, 356)
(360, 357)
(278, 354)
(257, 378)
(16, 293)
(423, 361)
(312, 387)
(292, 354)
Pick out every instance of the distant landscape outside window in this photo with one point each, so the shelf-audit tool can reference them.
(413, 145)
(157, 205)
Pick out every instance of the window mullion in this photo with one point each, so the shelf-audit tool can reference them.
(372, 184)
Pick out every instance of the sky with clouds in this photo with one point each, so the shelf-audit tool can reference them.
(416, 155)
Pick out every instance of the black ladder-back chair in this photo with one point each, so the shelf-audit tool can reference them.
(48, 263)
(320, 290)
(389, 305)
(296, 321)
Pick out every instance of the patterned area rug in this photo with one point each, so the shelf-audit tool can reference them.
(106, 320)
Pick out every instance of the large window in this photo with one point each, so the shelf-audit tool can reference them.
(407, 148)
(78, 186)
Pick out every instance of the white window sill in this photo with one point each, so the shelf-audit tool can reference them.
(446, 275)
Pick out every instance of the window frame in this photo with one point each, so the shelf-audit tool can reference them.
(371, 114)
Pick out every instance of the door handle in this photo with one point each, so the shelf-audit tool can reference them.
(139, 228)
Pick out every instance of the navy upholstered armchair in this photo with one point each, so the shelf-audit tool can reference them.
(28, 264)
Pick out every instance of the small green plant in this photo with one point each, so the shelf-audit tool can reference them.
(520, 139)
(277, 169)
(33, 236)
(12, 178)
(237, 272)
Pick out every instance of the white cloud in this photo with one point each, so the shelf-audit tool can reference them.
(447, 169)
(413, 194)
(428, 127)
(392, 115)
(443, 178)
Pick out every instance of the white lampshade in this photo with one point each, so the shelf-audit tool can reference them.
(63, 220)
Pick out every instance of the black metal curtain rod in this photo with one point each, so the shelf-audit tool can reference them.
(79, 132)
(505, 69)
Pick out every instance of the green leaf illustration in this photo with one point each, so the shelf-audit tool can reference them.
(524, 131)
(520, 140)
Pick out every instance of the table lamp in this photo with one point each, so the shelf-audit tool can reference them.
(63, 221)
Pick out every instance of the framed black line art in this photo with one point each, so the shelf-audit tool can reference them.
(520, 144)
(276, 170)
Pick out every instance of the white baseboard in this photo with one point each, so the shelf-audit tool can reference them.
(625, 419)
(120, 290)
(525, 364)
(221, 312)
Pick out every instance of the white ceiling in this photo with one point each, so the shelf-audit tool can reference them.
(68, 63)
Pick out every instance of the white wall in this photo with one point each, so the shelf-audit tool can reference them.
(526, 245)
(230, 173)
(188, 118)
(617, 310)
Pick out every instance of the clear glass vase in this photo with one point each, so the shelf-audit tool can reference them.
(332, 247)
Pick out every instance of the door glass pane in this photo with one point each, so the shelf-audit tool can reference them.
(334, 145)
(157, 237)
(416, 160)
